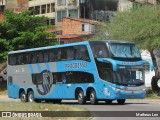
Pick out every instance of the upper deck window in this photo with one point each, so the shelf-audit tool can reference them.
(78, 52)
(99, 50)
(122, 50)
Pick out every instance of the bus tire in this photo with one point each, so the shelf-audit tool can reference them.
(108, 102)
(92, 97)
(81, 97)
(121, 101)
(1, 79)
(154, 84)
(23, 97)
(31, 96)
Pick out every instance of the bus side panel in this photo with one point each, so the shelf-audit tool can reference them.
(13, 90)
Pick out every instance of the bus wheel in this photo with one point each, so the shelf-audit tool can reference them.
(23, 97)
(108, 101)
(121, 101)
(93, 98)
(30, 96)
(81, 97)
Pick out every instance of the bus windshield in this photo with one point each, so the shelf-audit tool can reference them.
(122, 50)
(129, 76)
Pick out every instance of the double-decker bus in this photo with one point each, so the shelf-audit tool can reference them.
(92, 71)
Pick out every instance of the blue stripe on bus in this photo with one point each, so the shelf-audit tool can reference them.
(31, 68)
(47, 66)
(39, 68)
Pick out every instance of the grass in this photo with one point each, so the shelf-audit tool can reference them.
(18, 106)
(150, 94)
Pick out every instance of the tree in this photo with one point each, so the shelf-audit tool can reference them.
(22, 31)
(101, 31)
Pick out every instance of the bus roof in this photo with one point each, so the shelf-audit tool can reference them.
(112, 41)
(71, 44)
(49, 47)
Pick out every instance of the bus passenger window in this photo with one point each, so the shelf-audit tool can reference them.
(70, 53)
(63, 53)
(99, 50)
(33, 58)
(53, 55)
(25, 58)
(19, 59)
(46, 56)
(81, 53)
(12, 59)
(40, 57)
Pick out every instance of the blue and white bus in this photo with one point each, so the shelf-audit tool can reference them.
(92, 71)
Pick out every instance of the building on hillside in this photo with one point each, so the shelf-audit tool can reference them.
(67, 8)
(2, 7)
(100, 10)
(16, 6)
(89, 9)
(44, 8)
(74, 30)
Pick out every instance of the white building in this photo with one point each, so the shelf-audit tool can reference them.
(44, 8)
(67, 8)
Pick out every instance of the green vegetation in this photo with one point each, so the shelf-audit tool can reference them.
(151, 94)
(16, 106)
(22, 31)
(140, 25)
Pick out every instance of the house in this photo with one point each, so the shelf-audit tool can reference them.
(74, 30)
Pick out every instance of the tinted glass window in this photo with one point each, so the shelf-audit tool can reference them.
(63, 52)
(12, 59)
(26, 58)
(33, 57)
(40, 57)
(70, 53)
(46, 56)
(124, 50)
(105, 71)
(53, 55)
(99, 50)
(81, 53)
(79, 77)
(72, 77)
(19, 59)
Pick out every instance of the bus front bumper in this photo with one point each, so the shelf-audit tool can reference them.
(128, 94)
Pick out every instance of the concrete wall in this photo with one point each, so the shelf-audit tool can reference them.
(124, 5)
(17, 5)
(40, 3)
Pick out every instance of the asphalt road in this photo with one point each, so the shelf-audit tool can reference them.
(102, 108)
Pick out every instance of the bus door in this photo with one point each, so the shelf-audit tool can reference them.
(11, 88)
